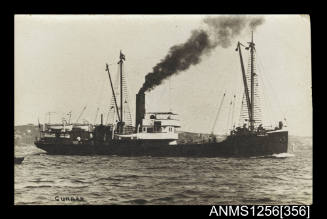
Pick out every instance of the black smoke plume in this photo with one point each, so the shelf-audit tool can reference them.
(218, 31)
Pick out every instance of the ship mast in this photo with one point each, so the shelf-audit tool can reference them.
(251, 46)
(124, 122)
(249, 100)
(246, 90)
(113, 92)
(121, 61)
(121, 57)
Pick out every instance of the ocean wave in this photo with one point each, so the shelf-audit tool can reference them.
(303, 178)
(191, 192)
(28, 203)
(265, 200)
(158, 168)
(270, 177)
(72, 186)
(138, 201)
(181, 195)
(283, 155)
(107, 179)
(79, 181)
(41, 181)
(39, 186)
(166, 199)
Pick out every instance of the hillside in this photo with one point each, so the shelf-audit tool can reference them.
(26, 134)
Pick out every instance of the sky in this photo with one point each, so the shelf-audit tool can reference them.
(60, 67)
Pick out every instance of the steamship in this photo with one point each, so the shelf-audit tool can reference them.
(155, 133)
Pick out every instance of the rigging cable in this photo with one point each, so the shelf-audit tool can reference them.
(229, 113)
(80, 115)
(270, 113)
(127, 113)
(233, 124)
(112, 112)
(100, 92)
(96, 115)
(274, 92)
(217, 115)
(108, 114)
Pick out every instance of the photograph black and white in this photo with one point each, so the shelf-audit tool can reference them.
(162, 109)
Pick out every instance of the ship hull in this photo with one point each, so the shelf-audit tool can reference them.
(233, 146)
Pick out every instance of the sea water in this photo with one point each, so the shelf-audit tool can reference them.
(104, 180)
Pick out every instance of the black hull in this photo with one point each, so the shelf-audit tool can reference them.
(233, 146)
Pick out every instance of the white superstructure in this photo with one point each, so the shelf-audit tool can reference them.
(159, 125)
